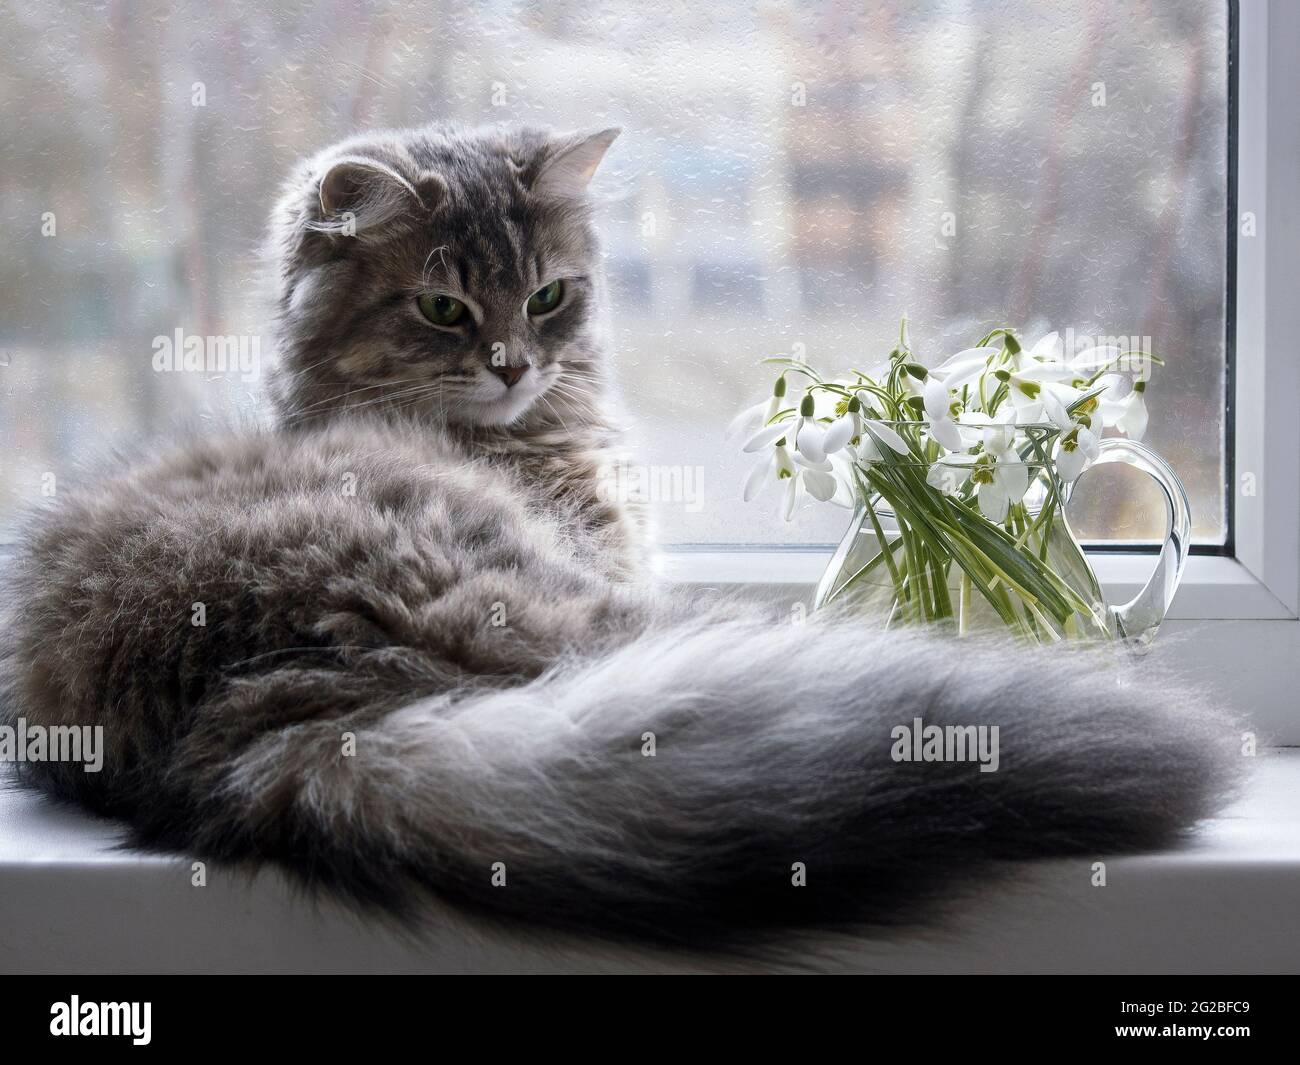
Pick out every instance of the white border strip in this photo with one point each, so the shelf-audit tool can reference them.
(1267, 521)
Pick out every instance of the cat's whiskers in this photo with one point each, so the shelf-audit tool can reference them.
(559, 417)
(336, 402)
(575, 395)
(414, 391)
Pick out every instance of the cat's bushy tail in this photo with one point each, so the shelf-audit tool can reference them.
(673, 790)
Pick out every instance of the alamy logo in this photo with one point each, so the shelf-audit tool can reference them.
(179, 353)
(919, 742)
(54, 743)
(102, 1018)
(625, 482)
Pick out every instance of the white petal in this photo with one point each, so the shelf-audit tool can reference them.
(747, 421)
(839, 434)
(948, 479)
(965, 359)
(1095, 358)
(808, 464)
(1028, 411)
(1055, 408)
(1115, 387)
(1005, 414)
(961, 369)
(867, 449)
(945, 431)
(1048, 347)
(821, 486)
(1069, 464)
(783, 460)
(1097, 420)
(845, 487)
(937, 399)
(759, 478)
(1013, 479)
(887, 435)
(808, 440)
(1133, 422)
(769, 435)
(970, 423)
(993, 502)
(1088, 443)
(999, 438)
(1044, 371)
(791, 497)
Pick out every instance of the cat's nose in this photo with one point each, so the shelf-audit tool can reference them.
(510, 374)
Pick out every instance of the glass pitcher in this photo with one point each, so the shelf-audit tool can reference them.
(949, 564)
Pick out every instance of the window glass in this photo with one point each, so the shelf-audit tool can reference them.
(792, 179)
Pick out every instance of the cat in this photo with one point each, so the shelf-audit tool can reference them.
(403, 643)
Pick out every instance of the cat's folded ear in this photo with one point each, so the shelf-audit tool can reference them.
(570, 161)
(356, 193)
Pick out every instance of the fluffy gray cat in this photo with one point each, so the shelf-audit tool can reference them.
(427, 656)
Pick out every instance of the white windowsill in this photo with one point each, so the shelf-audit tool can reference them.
(1224, 903)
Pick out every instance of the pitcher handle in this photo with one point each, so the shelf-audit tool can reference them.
(1138, 620)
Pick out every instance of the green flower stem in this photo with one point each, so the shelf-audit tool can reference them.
(984, 550)
(939, 574)
(886, 548)
(949, 540)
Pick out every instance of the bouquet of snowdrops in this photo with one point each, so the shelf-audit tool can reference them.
(967, 459)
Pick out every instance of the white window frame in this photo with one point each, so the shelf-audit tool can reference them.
(1246, 606)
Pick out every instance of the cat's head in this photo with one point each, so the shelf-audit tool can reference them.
(448, 273)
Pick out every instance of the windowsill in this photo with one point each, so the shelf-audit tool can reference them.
(1223, 903)
(1213, 588)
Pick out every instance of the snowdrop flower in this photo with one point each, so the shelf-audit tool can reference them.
(807, 433)
(875, 433)
(1047, 349)
(950, 473)
(752, 422)
(999, 476)
(962, 369)
(852, 431)
(942, 409)
(847, 427)
(1031, 396)
(1077, 449)
(778, 463)
(996, 433)
(1129, 413)
(769, 434)
(815, 479)
(819, 481)
(798, 475)
(1000, 480)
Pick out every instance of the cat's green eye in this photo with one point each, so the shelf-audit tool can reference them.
(546, 299)
(442, 310)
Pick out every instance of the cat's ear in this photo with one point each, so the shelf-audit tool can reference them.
(571, 161)
(356, 193)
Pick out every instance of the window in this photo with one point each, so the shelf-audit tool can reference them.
(794, 178)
